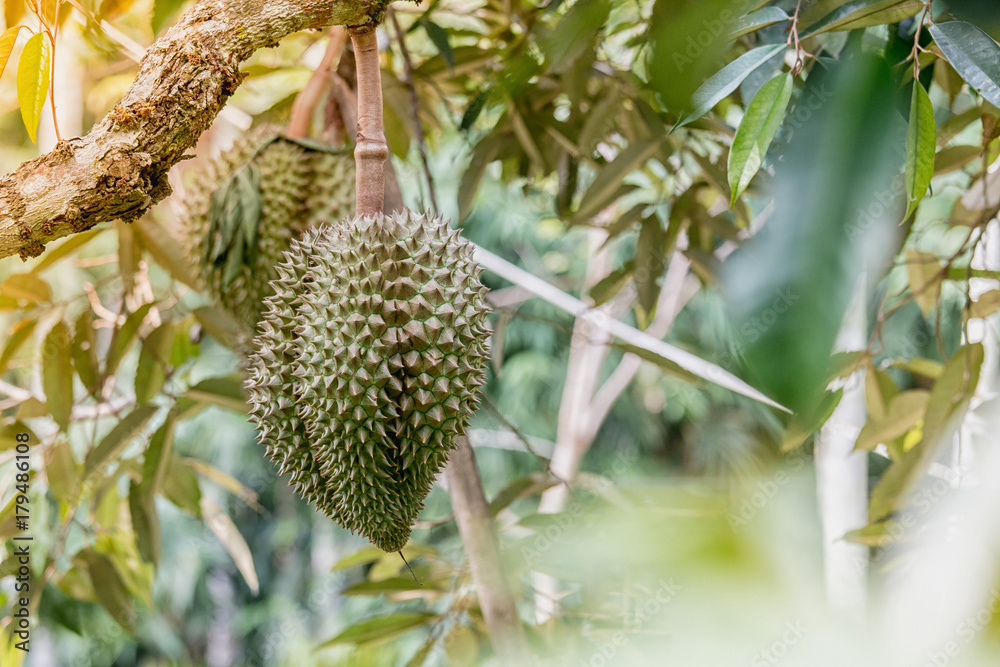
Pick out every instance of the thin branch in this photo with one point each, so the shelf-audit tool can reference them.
(309, 97)
(411, 89)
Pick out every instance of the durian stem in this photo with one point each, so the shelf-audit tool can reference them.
(306, 101)
(370, 150)
(475, 525)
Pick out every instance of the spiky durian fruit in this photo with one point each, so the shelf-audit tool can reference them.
(243, 210)
(367, 366)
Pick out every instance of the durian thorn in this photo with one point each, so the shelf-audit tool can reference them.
(409, 568)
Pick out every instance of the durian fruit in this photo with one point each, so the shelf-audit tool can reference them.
(367, 365)
(244, 209)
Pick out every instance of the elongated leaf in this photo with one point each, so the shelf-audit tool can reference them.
(921, 142)
(575, 33)
(955, 157)
(227, 533)
(166, 251)
(606, 184)
(7, 40)
(85, 354)
(120, 436)
(145, 522)
(15, 339)
(439, 36)
(665, 355)
(973, 54)
(758, 19)
(865, 13)
(153, 359)
(226, 392)
(53, 253)
(382, 627)
(110, 589)
(905, 410)
(33, 80)
(948, 401)
(924, 272)
(13, 10)
(26, 286)
(159, 454)
(383, 586)
(726, 80)
(756, 131)
(57, 373)
(226, 481)
(180, 486)
(219, 324)
(49, 11)
(123, 337)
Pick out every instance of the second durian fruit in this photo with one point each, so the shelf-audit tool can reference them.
(245, 207)
(367, 366)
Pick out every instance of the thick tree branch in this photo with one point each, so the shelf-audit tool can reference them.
(119, 169)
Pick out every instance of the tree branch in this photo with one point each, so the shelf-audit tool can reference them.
(119, 169)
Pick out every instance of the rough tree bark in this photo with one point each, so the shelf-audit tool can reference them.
(119, 169)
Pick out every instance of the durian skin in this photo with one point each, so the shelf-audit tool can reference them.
(299, 188)
(386, 321)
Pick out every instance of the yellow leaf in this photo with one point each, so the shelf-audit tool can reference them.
(13, 10)
(49, 11)
(7, 40)
(33, 81)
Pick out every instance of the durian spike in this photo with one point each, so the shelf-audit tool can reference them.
(370, 149)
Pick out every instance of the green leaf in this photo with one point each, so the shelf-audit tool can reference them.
(439, 36)
(153, 359)
(57, 374)
(363, 557)
(948, 401)
(114, 442)
(225, 392)
(650, 263)
(53, 253)
(802, 426)
(166, 251)
(391, 585)
(726, 80)
(145, 521)
(226, 481)
(122, 338)
(864, 14)
(756, 131)
(522, 487)
(163, 12)
(180, 485)
(955, 157)
(15, 339)
(789, 288)
(85, 354)
(7, 40)
(921, 142)
(110, 588)
(905, 410)
(575, 33)
(219, 324)
(159, 454)
(227, 533)
(758, 19)
(973, 54)
(33, 80)
(609, 178)
(380, 628)
(925, 276)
